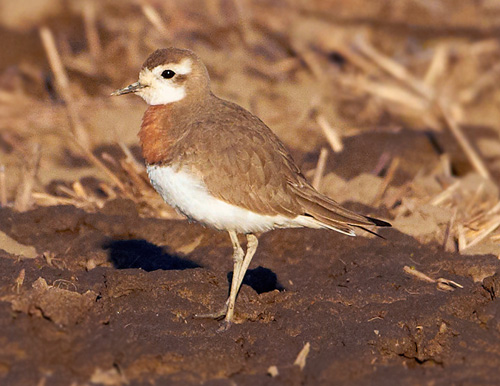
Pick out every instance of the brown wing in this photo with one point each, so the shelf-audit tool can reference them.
(269, 182)
(251, 167)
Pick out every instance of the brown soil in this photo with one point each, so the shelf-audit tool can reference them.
(113, 302)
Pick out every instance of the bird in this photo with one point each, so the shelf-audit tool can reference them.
(220, 165)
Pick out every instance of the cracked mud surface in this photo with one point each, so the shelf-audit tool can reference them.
(113, 302)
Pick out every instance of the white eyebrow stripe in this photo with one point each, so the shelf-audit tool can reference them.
(182, 68)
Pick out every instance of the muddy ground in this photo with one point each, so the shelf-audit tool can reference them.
(112, 302)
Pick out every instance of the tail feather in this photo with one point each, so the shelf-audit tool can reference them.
(323, 222)
(377, 222)
(333, 215)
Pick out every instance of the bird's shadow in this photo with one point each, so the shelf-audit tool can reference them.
(142, 254)
(124, 254)
(260, 279)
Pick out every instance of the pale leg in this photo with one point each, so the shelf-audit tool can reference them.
(237, 260)
(252, 244)
(240, 268)
(238, 275)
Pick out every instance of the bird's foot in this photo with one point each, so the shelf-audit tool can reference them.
(224, 325)
(218, 315)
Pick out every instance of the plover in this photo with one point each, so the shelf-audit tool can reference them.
(220, 165)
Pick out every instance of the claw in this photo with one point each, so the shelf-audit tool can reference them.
(224, 326)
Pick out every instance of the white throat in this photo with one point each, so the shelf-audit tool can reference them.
(162, 96)
(159, 91)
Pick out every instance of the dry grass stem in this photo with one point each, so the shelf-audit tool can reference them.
(462, 242)
(445, 194)
(80, 198)
(91, 32)
(355, 59)
(45, 199)
(320, 168)
(244, 17)
(139, 168)
(156, 20)
(97, 162)
(391, 171)
(464, 143)
(482, 47)
(484, 82)
(419, 275)
(23, 199)
(382, 162)
(474, 201)
(494, 209)
(332, 136)
(393, 68)
(3, 187)
(309, 58)
(79, 190)
(420, 96)
(442, 284)
(448, 232)
(140, 183)
(448, 282)
(438, 66)
(83, 65)
(77, 196)
(484, 233)
(108, 191)
(62, 84)
(392, 93)
(447, 285)
(446, 165)
(301, 358)
(54, 59)
(109, 158)
(67, 191)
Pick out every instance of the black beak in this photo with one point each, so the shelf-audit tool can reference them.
(134, 87)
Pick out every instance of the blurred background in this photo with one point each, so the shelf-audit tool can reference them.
(391, 107)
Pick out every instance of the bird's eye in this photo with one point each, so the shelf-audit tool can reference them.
(168, 74)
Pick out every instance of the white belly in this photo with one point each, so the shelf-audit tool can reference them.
(191, 197)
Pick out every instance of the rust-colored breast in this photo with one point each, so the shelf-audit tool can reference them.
(156, 134)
